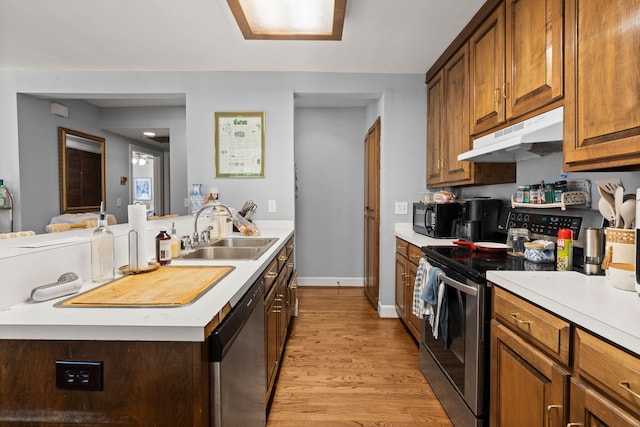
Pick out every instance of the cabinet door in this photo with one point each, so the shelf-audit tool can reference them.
(589, 408)
(602, 83)
(487, 53)
(401, 280)
(527, 388)
(534, 59)
(272, 310)
(456, 139)
(435, 101)
(413, 322)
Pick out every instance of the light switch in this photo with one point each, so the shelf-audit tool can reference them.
(401, 208)
(271, 205)
(118, 202)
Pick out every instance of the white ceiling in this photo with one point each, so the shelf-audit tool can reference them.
(380, 36)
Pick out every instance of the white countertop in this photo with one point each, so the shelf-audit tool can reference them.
(44, 321)
(587, 301)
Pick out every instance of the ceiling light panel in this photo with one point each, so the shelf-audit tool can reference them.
(289, 19)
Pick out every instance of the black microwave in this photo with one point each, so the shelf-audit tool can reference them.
(436, 219)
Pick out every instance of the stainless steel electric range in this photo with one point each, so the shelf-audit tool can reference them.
(456, 364)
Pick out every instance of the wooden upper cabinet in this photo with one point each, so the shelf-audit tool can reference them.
(534, 60)
(448, 122)
(602, 84)
(487, 53)
(516, 62)
(456, 117)
(435, 100)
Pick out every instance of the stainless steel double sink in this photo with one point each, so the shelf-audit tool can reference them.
(231, 248)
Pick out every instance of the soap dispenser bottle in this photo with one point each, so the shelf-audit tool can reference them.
(102, 254)
(175, 242)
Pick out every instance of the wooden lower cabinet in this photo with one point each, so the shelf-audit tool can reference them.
(144, 383)
(279, 305)
(591, 408)
(527, 387)
(534, 382)
(407, 260)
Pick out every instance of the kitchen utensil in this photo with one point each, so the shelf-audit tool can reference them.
(618, 204)
(606, 210)
(628, 213)
(607, 197)
(483, 246)
(609, 185)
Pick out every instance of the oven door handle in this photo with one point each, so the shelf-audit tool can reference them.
(469, 290)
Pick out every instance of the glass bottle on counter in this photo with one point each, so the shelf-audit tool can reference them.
(163, 248)
(102, 254)
(534, 197)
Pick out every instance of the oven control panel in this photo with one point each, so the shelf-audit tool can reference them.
(544, 224)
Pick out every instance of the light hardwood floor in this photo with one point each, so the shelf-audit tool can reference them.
(344, 366)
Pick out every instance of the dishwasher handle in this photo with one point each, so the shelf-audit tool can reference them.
(225, 334)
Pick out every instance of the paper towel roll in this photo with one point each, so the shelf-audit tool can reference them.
(138, 222)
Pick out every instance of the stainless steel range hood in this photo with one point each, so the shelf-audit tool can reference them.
(529, 139)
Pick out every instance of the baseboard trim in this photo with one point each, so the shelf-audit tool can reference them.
(331, 281)
(387, 311)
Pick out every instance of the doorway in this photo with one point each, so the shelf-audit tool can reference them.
(372, 213)
(147, 179)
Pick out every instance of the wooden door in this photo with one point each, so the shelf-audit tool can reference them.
(534, 59)
(455, 136)
(602, 84)
(590, 408)
(435, 102)
(371, 213)
(527, 388)
(487, 54)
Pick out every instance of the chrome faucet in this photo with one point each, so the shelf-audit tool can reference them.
(196, 237)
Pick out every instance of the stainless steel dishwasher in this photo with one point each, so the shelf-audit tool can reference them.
(237, 366)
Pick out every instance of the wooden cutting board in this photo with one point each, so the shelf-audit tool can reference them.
(165, 287)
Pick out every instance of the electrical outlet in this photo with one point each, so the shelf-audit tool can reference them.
(186, 202)
(271, 206)
(79, 375)
(118, 202)
(401, 208)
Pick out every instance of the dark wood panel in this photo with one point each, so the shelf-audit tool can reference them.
(145, 383)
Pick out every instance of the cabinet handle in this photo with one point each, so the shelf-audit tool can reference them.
(514, 316)
(627, 387)
(505, 90)
(574, 424)
(549, 408)
(496, 95)
(271, 275)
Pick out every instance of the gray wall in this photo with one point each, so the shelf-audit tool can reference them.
(402, 109)
(549, 168)
(329, 161)
(39, 164)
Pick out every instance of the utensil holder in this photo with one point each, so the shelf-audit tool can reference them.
(620, 258)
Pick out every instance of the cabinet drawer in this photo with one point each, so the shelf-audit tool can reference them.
(402, 247)
(543, 329)
(614, 371)
(415, 253)
(270, 275)
(282, 258)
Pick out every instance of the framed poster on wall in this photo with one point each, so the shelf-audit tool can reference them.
(239, 145)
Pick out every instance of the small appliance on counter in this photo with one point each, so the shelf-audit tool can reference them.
(479, 220)
(436, 219)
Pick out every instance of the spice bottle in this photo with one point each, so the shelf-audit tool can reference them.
(163, 248)
(175, 242)
(564, 254)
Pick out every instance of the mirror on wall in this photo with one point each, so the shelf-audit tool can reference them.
(82, 171)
